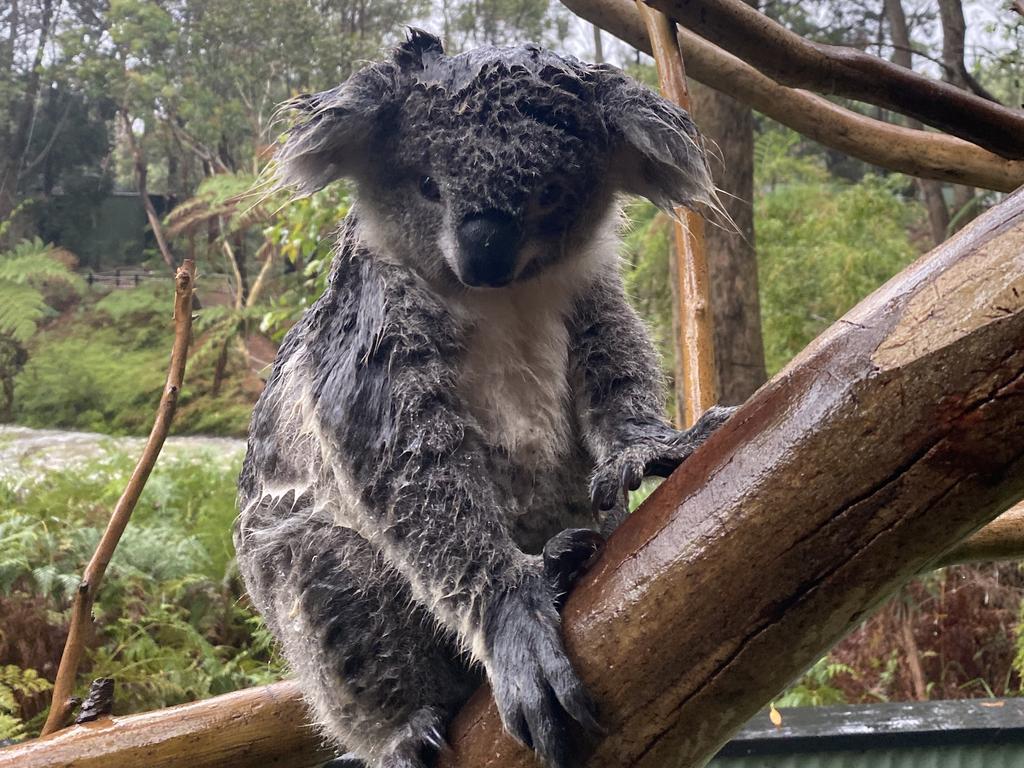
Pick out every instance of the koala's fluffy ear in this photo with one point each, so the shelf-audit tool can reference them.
(332, 130)
(658, 151)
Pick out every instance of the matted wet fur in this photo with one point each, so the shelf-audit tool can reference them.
(472, 382)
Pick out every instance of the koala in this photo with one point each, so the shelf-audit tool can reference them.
(449, 430)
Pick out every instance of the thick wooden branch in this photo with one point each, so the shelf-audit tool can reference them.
(263, 727)
(917, 153)
(791, 60)
(896, 434)
(1002, 539)
(80, 626)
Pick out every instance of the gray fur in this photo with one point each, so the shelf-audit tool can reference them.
(419, 441)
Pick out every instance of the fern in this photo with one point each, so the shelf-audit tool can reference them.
(24, 272)
(21, 309)
(16, 681)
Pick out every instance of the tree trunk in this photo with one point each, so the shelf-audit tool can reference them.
(141, 175)
(895, 435)
(931, 191)
(739, 347)
(17, 146)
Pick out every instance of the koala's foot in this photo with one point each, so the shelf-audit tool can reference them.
(650, 449)
(567, 556)
(535, 687)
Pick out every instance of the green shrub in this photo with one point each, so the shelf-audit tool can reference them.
(171, 622)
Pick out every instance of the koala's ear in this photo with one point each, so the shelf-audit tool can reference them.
(332, 130)
(658, 152)
(419, 51)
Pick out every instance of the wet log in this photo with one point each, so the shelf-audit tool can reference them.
(894, 436)
(263, 727)
(924, 154)
(791, 60)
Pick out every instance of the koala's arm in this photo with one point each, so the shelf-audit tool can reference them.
(388, 404)
(620, 396)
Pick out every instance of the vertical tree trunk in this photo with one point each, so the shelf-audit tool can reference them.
(598, 45)
(17, 146)
(954, 33)
(732, 260)
(141, 175)
(931, 191)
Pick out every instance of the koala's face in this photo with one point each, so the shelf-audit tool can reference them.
(493, 179)
(486, 168)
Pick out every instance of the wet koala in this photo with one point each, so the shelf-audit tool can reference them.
(447, 428)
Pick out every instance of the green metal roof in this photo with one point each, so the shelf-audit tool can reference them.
(938, 734)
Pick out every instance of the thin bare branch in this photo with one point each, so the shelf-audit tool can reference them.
(80, 626)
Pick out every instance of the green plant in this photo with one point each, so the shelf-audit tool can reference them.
(33, 277)
(15, 681)
(172, 624)
(816, 687)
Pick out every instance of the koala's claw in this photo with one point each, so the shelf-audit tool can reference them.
(651, 449)
(567, 555)
(535, 687)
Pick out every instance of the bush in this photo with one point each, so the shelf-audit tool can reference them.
(171, 622)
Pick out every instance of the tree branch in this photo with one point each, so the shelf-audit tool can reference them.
(1002, 539)
(917, 153)
(81, 612)
(694, 332)
(793, 61)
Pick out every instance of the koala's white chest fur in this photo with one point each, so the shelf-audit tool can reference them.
(514, 372)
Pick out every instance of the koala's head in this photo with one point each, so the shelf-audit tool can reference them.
(486, 168)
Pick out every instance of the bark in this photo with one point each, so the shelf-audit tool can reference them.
(1002, 539)
(693, 325)
(260, 726)
(917, 153)
(739, 349)
(890, 439)
(791, 60)
(931, 190)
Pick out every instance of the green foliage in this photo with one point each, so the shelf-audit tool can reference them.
(816, 688)
(15, 681)
(822, 245)
(27, 273)
(104, 372)
(302, 231)
(171, 623)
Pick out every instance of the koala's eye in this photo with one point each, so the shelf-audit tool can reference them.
(429, 188)
(550, 194)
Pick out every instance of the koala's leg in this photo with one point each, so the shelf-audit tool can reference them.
(380, 678)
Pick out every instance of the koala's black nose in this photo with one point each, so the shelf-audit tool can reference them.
(488, 246)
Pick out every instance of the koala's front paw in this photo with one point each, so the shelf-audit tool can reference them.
(535, 687)
(650, 449)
